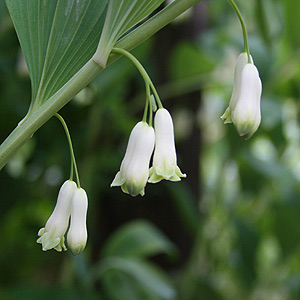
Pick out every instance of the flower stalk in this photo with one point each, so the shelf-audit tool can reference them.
(245, 35)
(148, 82)
(73, 160)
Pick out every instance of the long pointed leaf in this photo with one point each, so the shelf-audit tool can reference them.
(57, 38)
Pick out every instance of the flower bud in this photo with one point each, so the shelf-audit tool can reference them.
(77, 234)
(52, 235)
(134, 170)
(244, 107)
(165, 158)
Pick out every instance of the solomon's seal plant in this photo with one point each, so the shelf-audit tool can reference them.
(65, 52)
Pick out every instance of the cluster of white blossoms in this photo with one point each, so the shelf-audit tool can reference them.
(71, 202)
(134, 171)
(244, 106)
(144, 140)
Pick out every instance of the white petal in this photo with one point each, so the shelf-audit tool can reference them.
(246, 115)
(119, 179)
(165, 158)
(77, 235)
(137, 171)
(134, 170)
(240, 64)
(52, 236)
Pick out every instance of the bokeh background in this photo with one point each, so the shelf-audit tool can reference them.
(230, 230)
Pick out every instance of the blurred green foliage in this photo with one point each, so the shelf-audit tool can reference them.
(228, 231)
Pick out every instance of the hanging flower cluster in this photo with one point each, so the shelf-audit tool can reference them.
(144, 142)
(71, 202)
(144, 139)
(134, 171)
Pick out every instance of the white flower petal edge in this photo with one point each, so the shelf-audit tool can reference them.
(77, 234)
(244, 106)
(52, 235)
(165, 158)
(134, 170)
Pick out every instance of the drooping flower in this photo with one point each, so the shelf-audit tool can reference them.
(165, 158)
(240, 64)
(52, 235)
(134, 170)
(244, 106)
(77, 234)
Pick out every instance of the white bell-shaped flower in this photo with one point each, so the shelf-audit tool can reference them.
(165, 158)
(244, 106)
(77, 234)
(246, 115)
(134, 170)
(52, 235)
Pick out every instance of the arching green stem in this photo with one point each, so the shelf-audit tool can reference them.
(156, 95)
(147, 103)
(73, 160)
(142, 71)
(245, 35)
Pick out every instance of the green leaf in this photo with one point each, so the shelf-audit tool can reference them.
(122, 15)
(292, 19)
(138, 239)
(140, 278)
(188, 61)
(57, 38)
